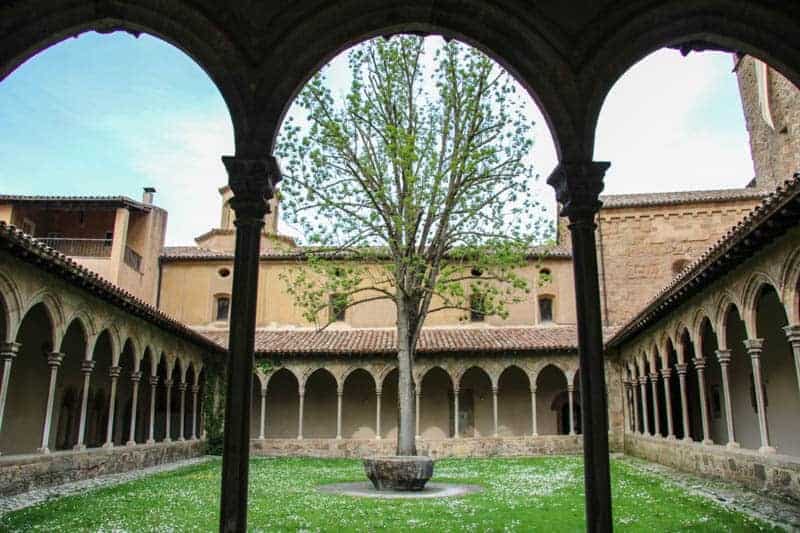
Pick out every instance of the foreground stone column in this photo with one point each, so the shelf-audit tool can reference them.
(534, 421)
(135, 378)
(666, 373)
(113, 373)
(339, 396)
(724, 358)
(86, 370)
(302, 397)
(151, 432)
(53, 361)
(252, 180)
(494, 409)
(578, 185)
(377, 414)
(754, 348)
(262, 425)
(195, 390)
(455, 411)
(168, 417)
(571, 394)
(8, 351)
(681, 368)
(419, 397)
(645, 411)
(792, 334)
(182, 389)
(700, 365)
(656, 413)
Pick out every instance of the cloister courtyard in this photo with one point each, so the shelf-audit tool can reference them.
(519, 494)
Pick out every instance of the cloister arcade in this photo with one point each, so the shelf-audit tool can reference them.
(724, 369)
(78, 373)
(325, 399)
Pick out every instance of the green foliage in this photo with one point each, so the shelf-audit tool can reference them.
(416, 179)
(214, 407)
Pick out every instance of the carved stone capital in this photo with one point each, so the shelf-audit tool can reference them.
(114, 371)
(87, 367)
(666, 373)
(724, 357)
(182, 386)
(571, 388)
(681, 368)
(699, 364)
(9, 350)
(168, 383)
(793, 334)
(754, 347)
(136, 376)
(253, 182)
(578, 186)
(643, 380)
(196, 389)
(153, 380)
(54, 359)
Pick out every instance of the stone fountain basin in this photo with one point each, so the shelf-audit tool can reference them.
(400, 473)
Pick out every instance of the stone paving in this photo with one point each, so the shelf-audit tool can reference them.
(33, 497)
(763, 505)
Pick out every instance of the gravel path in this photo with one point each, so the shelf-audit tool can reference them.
(765, 506)
(27, 499)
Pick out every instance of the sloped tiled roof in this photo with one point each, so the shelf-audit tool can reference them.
(110, 200)
(30, 250)
(611, 201)
(381, 341)
(778, 212)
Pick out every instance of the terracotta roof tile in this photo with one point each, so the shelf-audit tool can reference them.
(381, 341)
(114, 200)
(611, 201)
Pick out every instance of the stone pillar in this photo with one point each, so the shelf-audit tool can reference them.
(645, 413)
(578, 185)
(635, 395)
(302, 396)
(534, 425)
(419, 397)
(53, 361)
(168, 417)
(113, 373)
(86, 370)
(135, 378)
(253, 181)
(377, 414)
(792, 334)
(182, 389)
(724, 358)
(754, 348)
(666, 373)
(262, 425)
(455, 411)
(656, 413)
(195, 390)
(339, 396)
(494, 409)
(700, 365)
(8, 351)
(151, 432)
(681, 368)
(571, 394)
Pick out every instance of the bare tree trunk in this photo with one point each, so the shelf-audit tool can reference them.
(406, 394)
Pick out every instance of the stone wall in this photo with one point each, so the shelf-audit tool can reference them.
(775, 148)
(779, 474)
(21, 473)
(468, 447)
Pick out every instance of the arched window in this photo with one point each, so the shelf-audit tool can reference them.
(545, 309)
(222, 307)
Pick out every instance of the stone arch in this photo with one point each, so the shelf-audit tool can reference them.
(531, 55)
(551, 399)
(55, 312)
(475, 399)
(67, 403)
(388, 379)
(514, 402)
(10, 307)
(319, 419)
(181, 26)
(752, 291)
(760, 31)
(359, 403)
(436, 404)
(350, 369)
(282, 403)
(698, 318)
(790, 286)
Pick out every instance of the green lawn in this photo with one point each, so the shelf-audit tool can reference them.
(531, 494)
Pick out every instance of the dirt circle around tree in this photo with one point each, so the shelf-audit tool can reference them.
(364, 489)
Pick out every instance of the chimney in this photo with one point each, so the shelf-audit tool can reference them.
(147, 196)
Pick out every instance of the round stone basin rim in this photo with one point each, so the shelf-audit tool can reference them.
(400, 472)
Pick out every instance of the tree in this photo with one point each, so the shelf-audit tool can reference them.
(414, 188)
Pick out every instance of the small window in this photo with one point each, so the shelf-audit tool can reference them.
(223, 308)
(545, 309)
(545, 276)
(224, 272)
(337, 307)
(477, 307)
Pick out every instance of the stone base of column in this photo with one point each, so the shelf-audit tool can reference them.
(130, 443)
(150, 441)
(732, 444)
(108, 445)
(167, 440)
(534, 435)
(378, 437)
(766, 450)
(299, 437)
(79, 447)
(671, 437)
(43, 450)
(708, 442)
(181, 439)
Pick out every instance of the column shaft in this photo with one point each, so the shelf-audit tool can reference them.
(494, 409)
(754, 348)
(645, 409)
(724, 358)
(656, 414)
(8, 352)
(635, 396)
(113, 372)
(419, 394)
(168, 414)
(571, 395)
(455, 415)
(339, 396)
(195, 390)
(262, 425)
(181, 425)
(151, 431)
(135, 378)
(687, 434)
(666, 373)
(86, 369)
(700, 365)
(534, 425)
(300, 416)
(53, 361)
(378, 414)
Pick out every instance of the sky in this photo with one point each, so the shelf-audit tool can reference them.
(111, 114)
